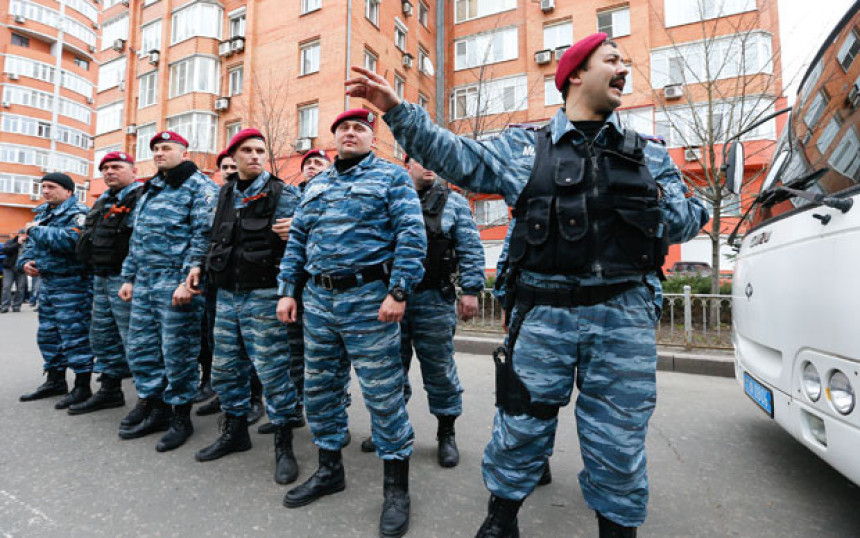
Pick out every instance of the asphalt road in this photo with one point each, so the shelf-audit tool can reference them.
(718, 467)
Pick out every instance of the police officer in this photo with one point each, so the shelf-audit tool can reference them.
(103, 245)
(243, 264)
(453, 249)
(65, 294)
(359, 234)
(596, 207)
(171, 223)
(12, 275)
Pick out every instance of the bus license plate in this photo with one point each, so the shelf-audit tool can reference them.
(760, 394)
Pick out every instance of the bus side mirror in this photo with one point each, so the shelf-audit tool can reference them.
(734, 167)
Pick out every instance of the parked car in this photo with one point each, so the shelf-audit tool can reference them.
(691, 269)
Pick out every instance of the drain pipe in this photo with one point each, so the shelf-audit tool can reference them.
(440, 62)
(348, 48)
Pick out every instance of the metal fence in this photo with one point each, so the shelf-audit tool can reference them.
(688, 320)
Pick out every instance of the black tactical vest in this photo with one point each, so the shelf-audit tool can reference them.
(103, 243)
(589, 211)
(440, 264)
(244, 252)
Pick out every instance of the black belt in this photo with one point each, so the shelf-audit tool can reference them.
(569, 297)
(380, 271)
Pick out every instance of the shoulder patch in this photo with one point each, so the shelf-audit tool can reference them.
(80, 219)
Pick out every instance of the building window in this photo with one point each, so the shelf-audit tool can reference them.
(111, 74)
(370, 60)
(681, 126)
(83, 64)
(235, 78)
(148, 89)
(465, 10)
(846, 53)
(197, 20)
(829, 134)
(20, 41)
(371, 11)
(310, 57)
(194, 74)
(237, 24)
(552, 96)
(231, 129)
(628, 80)
(423, 102)
(558, 35)
(492, 97)
(150, 37)
(308, 121)
(113, 30)
(639, 119)
(310, 5)
(424, 63)
(144, 135)
(399, 86)
(196, 127)
(615, 23)
(398, 151)
(492, 47)
(816, 109)
(680, 12)
(12, 153)
(845, 158)
(400, 35)
(491, 212)
(423, 14)
(109, 118)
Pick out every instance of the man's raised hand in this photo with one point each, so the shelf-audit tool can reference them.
(373, 88)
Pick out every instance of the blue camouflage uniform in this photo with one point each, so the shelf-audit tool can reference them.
(608, 349)
(65, 294)
(171, 228)
(247, 329)
(431, 319)
(348, 222)
(109, 328)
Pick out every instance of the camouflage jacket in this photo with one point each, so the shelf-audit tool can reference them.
(51, 244)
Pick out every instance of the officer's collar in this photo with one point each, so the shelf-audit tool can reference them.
(63, 207)
(254, 187)
(560, 126)
(177, 175)
(120, 194)
(366, 162)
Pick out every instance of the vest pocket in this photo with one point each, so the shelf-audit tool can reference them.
(635, 236)
(628, 175)
(572, 217)
(569, 172)
(537, 219)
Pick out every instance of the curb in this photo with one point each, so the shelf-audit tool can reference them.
(668, 359)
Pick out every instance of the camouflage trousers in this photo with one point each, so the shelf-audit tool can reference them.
(609, 350)
(249, 336)
(65, 303)
(341, 327)
(428, 326)
(163, 340)
(296, 335)
(109, 327)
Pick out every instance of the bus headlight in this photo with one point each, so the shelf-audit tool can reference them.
(841, 393)
(811, 382)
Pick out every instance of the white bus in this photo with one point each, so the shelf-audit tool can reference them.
(796, 287)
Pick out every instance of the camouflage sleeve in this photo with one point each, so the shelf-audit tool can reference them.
(683, 216)
(293, 262)
(26, 254)
(56, 239)
(499, 288)
(410, 237)
(499, 165)
(288, 202)
(470, 251)
(203, 207)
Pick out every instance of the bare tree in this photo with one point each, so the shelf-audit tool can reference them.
(271, 112)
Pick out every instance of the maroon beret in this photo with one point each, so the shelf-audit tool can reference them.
(221, 157)
(313, 153)
(356, 114)
(116, 156)
(575, 55)
(167, 136)
(241, 136)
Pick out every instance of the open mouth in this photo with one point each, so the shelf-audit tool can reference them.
(617, 83)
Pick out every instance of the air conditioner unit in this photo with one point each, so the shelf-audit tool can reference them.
(547, 5)
(559, 52)
(118, 44)
(854, 96)
(225, 49)
(95, 26)
(92, 48)
(34, 196)
(692, 154)
(46, 169)
(237, 44)
(407, 8)
(407, 60)
(673, 91)
(6, 104)
(222, 104)
(154, 56)
(12, 76)
(303, 144)
(543, 57)
(20, 19)
(125, 3)
(90, 100)
(131, 129)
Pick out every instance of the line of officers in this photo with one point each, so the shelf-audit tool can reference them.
(146, 254)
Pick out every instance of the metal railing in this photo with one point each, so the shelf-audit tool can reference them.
(688, 320)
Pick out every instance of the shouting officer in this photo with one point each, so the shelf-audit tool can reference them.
(65, 294)
(103, 245)
(453, 247)
(242, 263)
(596, 206)
(359, 234)
(171, 223)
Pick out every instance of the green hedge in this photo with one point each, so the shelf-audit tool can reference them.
(698, 285)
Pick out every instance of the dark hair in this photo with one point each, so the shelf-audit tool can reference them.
(584, 67)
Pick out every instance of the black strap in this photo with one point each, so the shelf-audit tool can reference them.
(569, 297)
(381, 271)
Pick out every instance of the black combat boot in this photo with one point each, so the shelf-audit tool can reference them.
(257, 411)
(157, 420)
(546, 477)
(367, 445)
(611, 529)
(204, 392)
(79, 394)
(234, 438)
(447, 453)
(328, 479)
(108, 396)
(209, 408)
(394, 521)
(286, 468)
(501, 519)
(141, 409)
(55, 385)
(180, 429)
